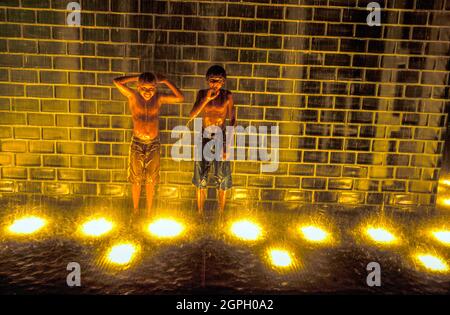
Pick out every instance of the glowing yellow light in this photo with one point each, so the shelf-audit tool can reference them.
(27, 225)
(380, 235)
(246, 230)
(446, 201)
(314, 233)
(432, 263)
(165, 228)
(280, 258)
(445, 182)
(442, 236)
(97, 227)
(122, 254)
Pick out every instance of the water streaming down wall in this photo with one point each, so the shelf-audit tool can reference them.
(361, 110)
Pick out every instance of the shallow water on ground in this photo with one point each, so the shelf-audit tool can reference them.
(208, 260)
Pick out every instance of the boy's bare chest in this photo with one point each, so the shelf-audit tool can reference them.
(147, 108)
(216, 106)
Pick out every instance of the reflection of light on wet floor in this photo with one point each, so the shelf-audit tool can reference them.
(280, 257)
(165, 228)
(314, 233)
(380, 235)
(246, 230)
(97, 227)
(27, 225)
(432, 262)
(442, 236)
(122, 254)
(379, 231)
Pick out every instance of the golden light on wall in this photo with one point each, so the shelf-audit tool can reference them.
(445, 182)
(246, 230)
(97, 227)
(122, 253)
(27, 225)
(432, 262)
(165, 228)
(444, 201)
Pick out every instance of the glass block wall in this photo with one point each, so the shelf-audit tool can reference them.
(361, 109)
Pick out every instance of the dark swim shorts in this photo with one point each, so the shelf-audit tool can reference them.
(144, 161)
(222, 170)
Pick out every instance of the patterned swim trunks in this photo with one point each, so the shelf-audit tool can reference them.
(144, 162)
(222, 170)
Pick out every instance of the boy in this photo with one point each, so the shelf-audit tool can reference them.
(145, 104)
(215, 105)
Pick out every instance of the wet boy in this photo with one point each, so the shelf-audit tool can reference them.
(145, 103)
(215, 105)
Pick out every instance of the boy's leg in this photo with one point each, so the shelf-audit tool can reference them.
(223, 182)
(152, 172)
(199, 179)
(201, 197)
(221, 193)
(150, 190)
(135, 170)
(136, 193)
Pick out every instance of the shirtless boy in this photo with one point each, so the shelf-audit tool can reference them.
(214, 105)
(145, 104)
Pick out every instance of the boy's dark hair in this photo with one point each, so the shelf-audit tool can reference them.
(147, 77)
(216, 71)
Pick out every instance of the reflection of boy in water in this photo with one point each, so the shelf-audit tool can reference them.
(215, 105)
(145, 104)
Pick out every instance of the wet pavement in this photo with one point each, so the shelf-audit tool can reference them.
(208, 260)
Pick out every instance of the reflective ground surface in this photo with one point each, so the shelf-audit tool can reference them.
(206, 259)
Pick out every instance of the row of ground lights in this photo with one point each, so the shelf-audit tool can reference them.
(161, 228)
(246, 230)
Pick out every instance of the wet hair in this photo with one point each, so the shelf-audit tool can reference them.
(147, 77)
(216, 71)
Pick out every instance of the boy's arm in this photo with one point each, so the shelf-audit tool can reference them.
(231, 111)
(201, 102)
(198, 106)
(121, 82)
(177, 96)
(231, 115)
